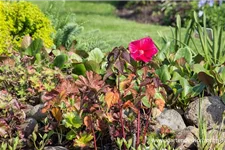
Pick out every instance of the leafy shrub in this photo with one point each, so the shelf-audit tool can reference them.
(5, 37)
(25, 18)
(215, 15)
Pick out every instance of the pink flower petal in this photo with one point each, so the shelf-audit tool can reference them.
(143, 49)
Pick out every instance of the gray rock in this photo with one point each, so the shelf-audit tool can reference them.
(187, 138)
(28, 126)
(36, 112)
(172, 119)
(212, 110)
(55, 148)
(28, 108)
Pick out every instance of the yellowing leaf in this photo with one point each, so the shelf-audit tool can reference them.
(111, 98)
(57, 113)
(83, 141)
(160, 104)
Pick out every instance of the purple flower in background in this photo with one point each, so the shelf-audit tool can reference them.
(202, 3)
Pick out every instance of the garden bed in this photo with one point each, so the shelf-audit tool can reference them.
(56, 94)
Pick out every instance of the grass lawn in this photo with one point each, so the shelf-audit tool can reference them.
(99, 19)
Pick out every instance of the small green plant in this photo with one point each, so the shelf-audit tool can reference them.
(208, 140)
(13, 145)
(44, 139)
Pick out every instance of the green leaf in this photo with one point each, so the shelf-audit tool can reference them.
(70, 135)
(60, 61)
(34, 136)
(176, 76)
(56, 52)
(164, 51)
(84, 140)
(146, 102)
(76, 57)
(38, 57)
(92, 66)
(34, 48)
(222, 72)
(163, 73)
(72, 120)
(79, 68)
(96, 55)
(184, 53)
(198, 68)
(186, 87)
(119, 142)
(197, 89)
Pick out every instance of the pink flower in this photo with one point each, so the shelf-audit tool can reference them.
(143, 49)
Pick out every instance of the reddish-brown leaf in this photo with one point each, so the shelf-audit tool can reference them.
(126, 83)
(150, 90)
(129, 104)
(165, 130)
(92, 81)
(67, 86)
(100, 125)
(88, 122)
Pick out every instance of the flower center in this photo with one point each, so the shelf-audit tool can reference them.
(141, 52)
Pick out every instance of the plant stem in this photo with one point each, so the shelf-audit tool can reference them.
(146, 127)
(138, 129)
(93, 132)
(122, 123)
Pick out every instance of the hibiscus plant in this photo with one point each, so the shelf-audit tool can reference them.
(117, 106)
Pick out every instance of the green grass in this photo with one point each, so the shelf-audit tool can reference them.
(101, 24)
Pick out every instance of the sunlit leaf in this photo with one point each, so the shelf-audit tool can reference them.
(57, 113)
(72, 120)
(111, 98)
(129, 104)
(96, 55)
(84, 140)
(160, 104)
(163, 73)
(146, 102)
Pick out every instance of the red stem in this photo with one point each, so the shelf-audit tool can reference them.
(146, 127)
(93, 132)
(138, 129)
(122, 124)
